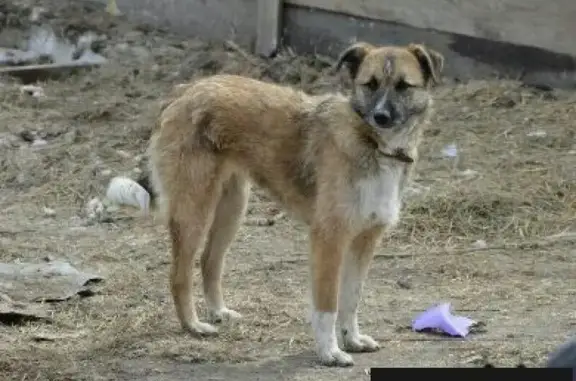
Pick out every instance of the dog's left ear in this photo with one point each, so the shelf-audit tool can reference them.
(353, 57)
(430, 60)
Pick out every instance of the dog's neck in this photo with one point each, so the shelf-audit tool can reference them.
(398, 154)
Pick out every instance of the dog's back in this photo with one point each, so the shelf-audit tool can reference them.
(260, 130)
(224, 109)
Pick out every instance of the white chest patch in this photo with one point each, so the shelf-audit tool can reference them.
(378, 198)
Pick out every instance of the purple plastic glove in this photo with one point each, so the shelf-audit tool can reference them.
(439, 317)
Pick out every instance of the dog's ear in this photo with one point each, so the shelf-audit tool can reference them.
(431, 61)
(353, 57)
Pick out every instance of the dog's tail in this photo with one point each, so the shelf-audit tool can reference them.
(141, 192)
(144, 182)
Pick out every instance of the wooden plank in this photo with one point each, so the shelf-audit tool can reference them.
(32, 73)
(549, 25)
(268, 27)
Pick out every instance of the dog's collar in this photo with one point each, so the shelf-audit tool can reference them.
(399, 154)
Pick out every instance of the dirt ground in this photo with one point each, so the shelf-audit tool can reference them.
(488, 230)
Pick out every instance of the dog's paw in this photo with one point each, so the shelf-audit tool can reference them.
(199, 328)
(335, 357)
(360, 343)
(223, 314)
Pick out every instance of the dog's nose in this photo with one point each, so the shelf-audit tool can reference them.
(383, 118)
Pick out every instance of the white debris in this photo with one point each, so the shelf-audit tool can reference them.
(450, 150)
(34, 91)
(125, 191)
(44, 42)
(95, 209)
(468, 173)
(36, 13)
(89, 56)
(85, 41)
(49, 212)
(16, 57)
(106, 172)
(537, 134)
(39, 143)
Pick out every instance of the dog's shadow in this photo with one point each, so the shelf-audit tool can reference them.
(266, 369)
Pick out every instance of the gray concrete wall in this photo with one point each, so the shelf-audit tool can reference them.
(308, 30)
(211, 19)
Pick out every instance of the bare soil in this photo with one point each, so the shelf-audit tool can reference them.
(488, 230)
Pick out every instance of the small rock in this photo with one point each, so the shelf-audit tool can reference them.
(8, 141)
(106, 172)
(404, 283)
(479, 244)
(537, 134)
(39, 143)
(49, 212)
(137, 171)
(28, 136)
(123, 154)
(505, 101)
(468, 173)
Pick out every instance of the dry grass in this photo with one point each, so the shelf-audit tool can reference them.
(522, 191)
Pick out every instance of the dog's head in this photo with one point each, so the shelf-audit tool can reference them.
(391, 84)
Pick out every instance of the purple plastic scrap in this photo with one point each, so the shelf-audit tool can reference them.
(439, 317)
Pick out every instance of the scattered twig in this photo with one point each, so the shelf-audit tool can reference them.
(16, 232)
(264, 221)
(237, 49)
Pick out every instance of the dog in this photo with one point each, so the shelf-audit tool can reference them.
(337, 163)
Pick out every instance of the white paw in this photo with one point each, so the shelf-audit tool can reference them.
(223, 314)
(201, 329)
(360, 343)
(335, 357)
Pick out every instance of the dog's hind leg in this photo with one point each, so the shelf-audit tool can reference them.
(229, 213)
(356, 263)
(194, 194)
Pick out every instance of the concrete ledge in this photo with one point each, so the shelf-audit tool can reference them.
(310, 31)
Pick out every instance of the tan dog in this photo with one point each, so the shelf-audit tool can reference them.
(338, 163)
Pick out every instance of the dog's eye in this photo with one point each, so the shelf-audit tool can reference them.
(402, 85)
(373, 84)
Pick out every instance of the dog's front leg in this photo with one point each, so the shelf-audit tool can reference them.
(356, 264)
(328, 243)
